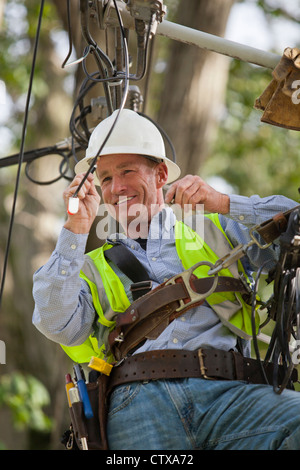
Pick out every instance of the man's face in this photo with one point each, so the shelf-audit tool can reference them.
(131, 187)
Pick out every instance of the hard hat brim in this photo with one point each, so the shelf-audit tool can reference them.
(173, 169)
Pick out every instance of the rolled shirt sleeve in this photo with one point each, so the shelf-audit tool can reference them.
(245, 213)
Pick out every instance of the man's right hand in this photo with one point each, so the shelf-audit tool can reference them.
(89, 200)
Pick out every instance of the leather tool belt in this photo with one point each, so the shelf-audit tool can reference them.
(212, 364)
(209, 364)
(149, 315)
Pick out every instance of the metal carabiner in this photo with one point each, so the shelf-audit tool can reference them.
(238, 252)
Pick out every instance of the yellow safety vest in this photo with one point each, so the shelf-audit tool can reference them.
(191, 248)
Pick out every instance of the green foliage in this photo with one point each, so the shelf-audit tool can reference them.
(26, 397)
(254, 157)
(17, 38)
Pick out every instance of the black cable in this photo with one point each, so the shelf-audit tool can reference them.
(84, 89)
(279, 345)
(62, 171)
(29, 155)
(119, 74)
(21, 148)
(254, 336)
(291, 293)
(143, 72)
(297, 303)
(78, 127)
(100, 80)
(92, 164)
(69, 34)
(97, 52)
(163, 132)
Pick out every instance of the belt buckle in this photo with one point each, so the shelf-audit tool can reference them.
(194, 296)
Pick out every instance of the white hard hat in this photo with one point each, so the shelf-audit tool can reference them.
(132, 134)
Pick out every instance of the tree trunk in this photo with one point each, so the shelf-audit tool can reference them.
(195, 83)
(33, 239)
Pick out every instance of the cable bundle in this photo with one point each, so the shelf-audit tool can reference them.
(283, 307)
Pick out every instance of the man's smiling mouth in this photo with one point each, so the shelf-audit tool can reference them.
(123, 200)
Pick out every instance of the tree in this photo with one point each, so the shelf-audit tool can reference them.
(195, 85)
(38, 207)
(254, 157)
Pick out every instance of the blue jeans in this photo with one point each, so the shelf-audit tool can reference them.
(201, 414)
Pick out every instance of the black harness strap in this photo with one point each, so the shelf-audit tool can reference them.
(132, 268)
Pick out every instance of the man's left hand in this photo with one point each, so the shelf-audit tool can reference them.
(192, 190)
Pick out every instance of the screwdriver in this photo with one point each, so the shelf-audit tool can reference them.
(83, 394)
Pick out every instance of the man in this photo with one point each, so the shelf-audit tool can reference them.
(80, 298)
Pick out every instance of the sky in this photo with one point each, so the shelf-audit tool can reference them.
(248, 25)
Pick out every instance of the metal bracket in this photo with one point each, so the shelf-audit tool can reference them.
(144, 9)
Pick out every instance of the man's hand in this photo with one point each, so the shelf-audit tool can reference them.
(89, 200)
(193, 190)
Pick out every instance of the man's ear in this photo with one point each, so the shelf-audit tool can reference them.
(162, 174)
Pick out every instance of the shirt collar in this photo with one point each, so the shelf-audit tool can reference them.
(161, 224)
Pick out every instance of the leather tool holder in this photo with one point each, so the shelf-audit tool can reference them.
(92, 429)
(281, 99)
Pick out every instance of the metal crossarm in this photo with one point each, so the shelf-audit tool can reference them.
(218, 44)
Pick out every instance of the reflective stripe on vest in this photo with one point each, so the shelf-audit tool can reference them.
(191, 248)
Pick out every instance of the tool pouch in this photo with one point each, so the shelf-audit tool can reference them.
(92, 429)
(279, 102)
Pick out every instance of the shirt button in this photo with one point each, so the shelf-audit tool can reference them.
(73, 247)
(132, 246)
(154, 259)
(175, 340)
(182, 318)
(63, 272)
(241, 217)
